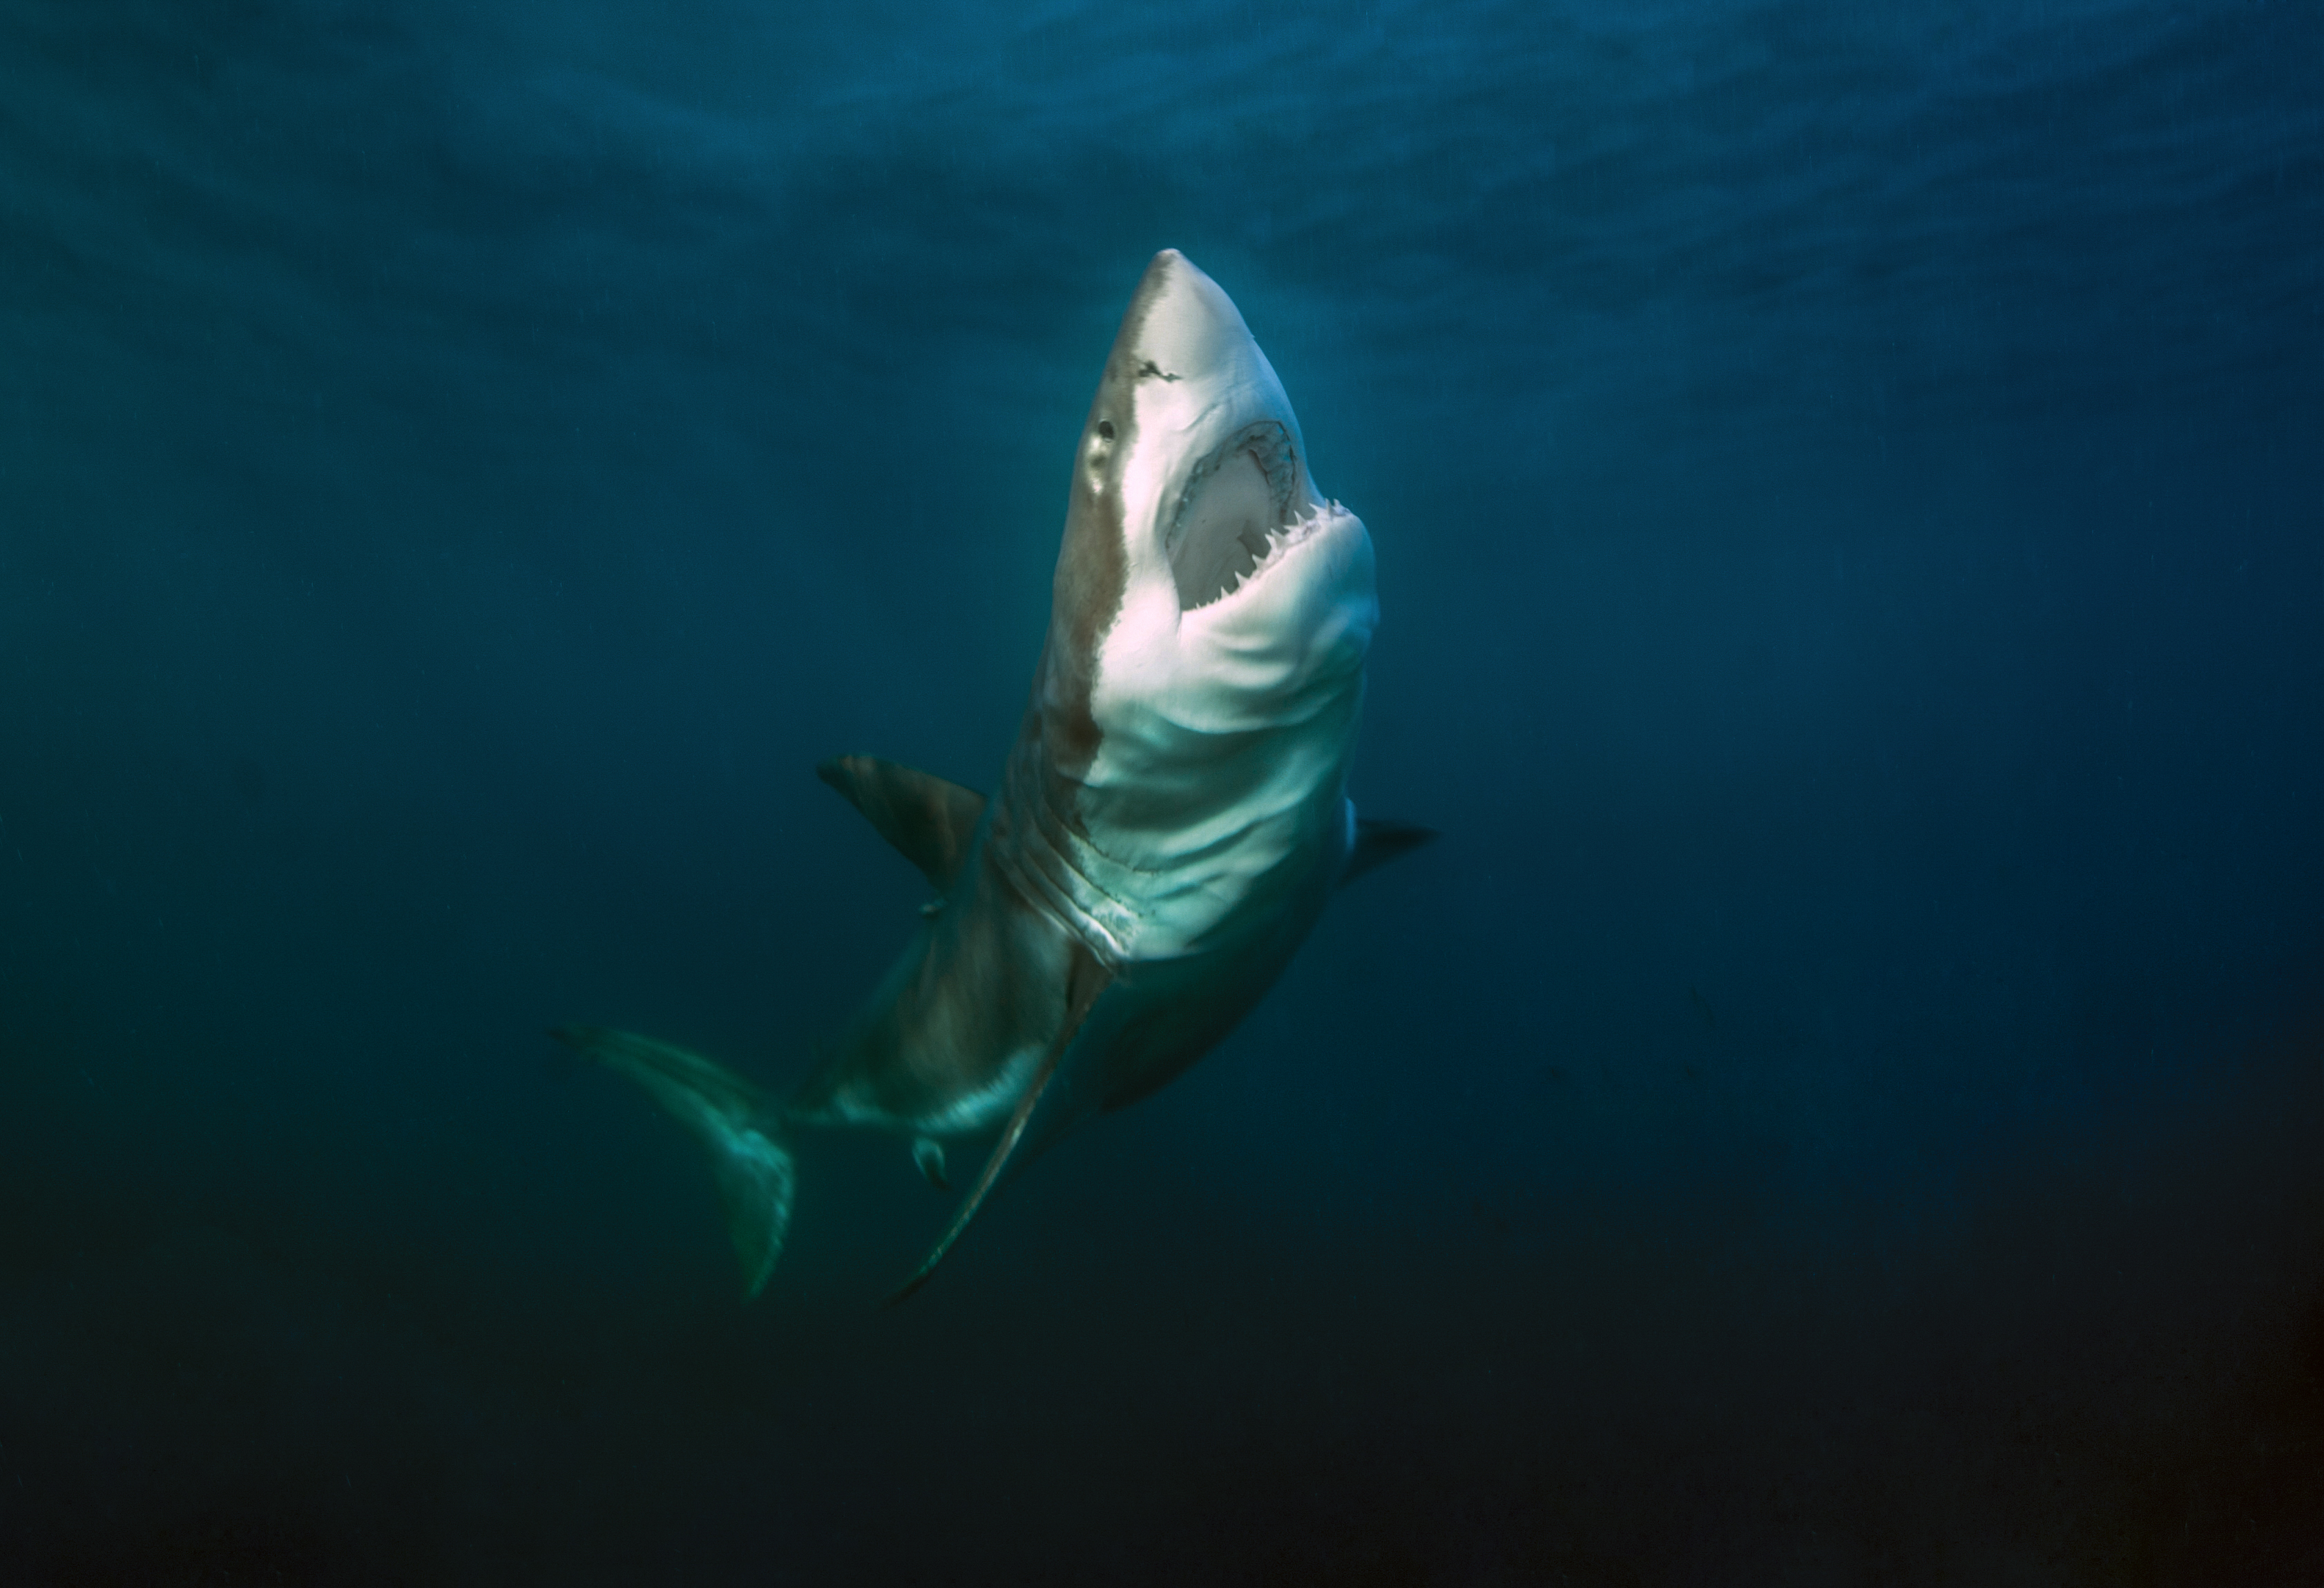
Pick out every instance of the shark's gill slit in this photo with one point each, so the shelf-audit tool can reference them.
(1235, 502)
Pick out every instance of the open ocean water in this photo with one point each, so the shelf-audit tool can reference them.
(1842, 1104)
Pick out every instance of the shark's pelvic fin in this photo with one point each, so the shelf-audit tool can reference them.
(1379, 842)
(1087, 979)
(928, 1157)
(729, 1118)
(929, 820)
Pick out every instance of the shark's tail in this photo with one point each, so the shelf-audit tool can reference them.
(728, 1117)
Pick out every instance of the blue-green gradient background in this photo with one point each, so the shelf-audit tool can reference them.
(1843, 1104)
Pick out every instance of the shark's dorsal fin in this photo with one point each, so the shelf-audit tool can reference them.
(1083, 983)
(1379, 842)
(929, 820)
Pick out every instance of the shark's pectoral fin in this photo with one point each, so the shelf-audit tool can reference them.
(1087, 979)
(1379, 841)
(929, 820)
(729, 1118)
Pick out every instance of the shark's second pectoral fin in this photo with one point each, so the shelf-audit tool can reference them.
(1087, 979)
(727, 1116)
(1379, 842)
(929, 820)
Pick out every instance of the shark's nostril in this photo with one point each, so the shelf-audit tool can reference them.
(1106, 429)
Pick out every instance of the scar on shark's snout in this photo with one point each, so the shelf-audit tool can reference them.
(1150, 368)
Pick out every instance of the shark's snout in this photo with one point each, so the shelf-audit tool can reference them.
(1218, 481)
(1190, 327)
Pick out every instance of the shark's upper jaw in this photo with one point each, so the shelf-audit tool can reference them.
(1207, 462)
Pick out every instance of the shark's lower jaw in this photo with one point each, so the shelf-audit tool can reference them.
(1305, 524)
(1235, 514)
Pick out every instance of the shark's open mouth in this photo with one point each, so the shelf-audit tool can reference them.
(1234, 515)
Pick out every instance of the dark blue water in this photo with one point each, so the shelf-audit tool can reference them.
(1842, 1104)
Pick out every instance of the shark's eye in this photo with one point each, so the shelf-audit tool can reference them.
(1106, 429)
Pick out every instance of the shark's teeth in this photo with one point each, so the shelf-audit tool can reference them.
(1280, 539)
(1296, 517)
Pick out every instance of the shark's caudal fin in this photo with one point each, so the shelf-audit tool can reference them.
(1379, 842)
(728, 1117)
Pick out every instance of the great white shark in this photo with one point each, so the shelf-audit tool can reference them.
(1170, 822)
